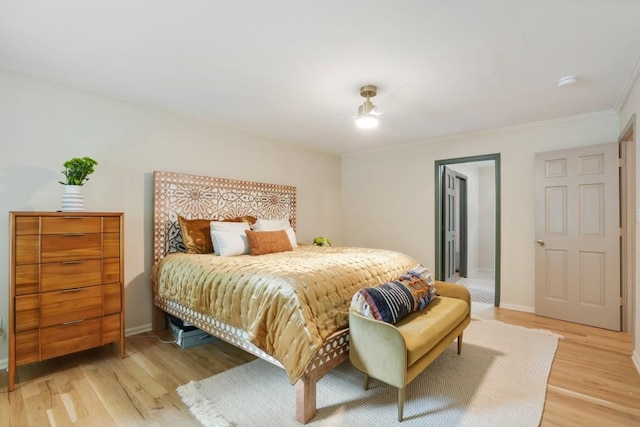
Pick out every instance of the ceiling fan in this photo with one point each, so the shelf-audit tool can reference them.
(367, 116)
(368, 112)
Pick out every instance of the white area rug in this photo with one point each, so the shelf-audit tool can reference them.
(500, 379)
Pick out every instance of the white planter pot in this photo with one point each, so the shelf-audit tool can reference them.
(72, 200)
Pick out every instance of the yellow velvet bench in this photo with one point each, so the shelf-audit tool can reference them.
(397, 353)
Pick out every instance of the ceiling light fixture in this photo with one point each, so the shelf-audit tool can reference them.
(366, 119)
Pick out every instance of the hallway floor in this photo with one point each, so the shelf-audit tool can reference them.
(481, 285)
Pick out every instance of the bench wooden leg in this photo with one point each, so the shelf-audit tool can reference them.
(366, 381)
(400, 403)
(305, 399)
(460, 343)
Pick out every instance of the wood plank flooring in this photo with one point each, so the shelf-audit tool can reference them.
(593, 381)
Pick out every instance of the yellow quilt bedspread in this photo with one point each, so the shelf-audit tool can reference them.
(287, 302)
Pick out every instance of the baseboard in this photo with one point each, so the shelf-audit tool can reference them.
(517, 307)
(4, 363)
(138, 329)
(635, 356)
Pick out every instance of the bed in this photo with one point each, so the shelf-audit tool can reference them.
(289, 308)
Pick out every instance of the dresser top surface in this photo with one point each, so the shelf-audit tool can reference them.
(67, 214)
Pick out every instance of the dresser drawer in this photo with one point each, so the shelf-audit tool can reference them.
(27, 346)
(69, 275)
(111, 298)
(64, 339)
(70, 305)
(27, 225)
(71, 224)
(70, 247)
(111, 328)
(27, 249)
(111, 245)
(27, 279)
(111, 224)
(27, 312)
(111, 270)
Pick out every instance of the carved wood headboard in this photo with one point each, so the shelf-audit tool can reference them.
(193, 196)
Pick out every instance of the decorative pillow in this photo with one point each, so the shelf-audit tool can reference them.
(230, 243)
(230, 227)
(271, 224)
(292, 237)
(195, 235)
(247, 218)
(395, 300)
(268, 242)
(277, 224)
(238, 227)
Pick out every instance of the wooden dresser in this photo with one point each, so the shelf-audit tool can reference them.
(66, 284)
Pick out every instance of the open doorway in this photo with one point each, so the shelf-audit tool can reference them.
(468, 224)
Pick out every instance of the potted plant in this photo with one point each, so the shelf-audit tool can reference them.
(321, 241)
(76, 172)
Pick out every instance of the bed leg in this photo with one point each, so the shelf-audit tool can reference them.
(305, 399)
(159, 320)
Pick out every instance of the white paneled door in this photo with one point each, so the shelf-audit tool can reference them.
(449, 223)
(578, 235)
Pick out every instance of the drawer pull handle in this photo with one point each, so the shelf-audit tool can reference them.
(73, 322)
(72, 217)
(72, 234)
(73, 262)
(64, 291)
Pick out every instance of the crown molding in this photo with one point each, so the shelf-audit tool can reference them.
(631, 82)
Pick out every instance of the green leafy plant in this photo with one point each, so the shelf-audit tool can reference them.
(321, 241)
(77, 170)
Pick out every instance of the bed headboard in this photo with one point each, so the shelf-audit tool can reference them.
(203, 197)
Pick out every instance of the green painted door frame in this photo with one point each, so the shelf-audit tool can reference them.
(439, 165)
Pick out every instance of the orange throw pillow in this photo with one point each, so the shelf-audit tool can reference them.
(268, 242)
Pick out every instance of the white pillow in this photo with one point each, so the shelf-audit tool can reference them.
(275, 225)
(229, 243)
(292, 236)
(229, 227)
(238, 227)
(271, 224)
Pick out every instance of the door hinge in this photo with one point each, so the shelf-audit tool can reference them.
(620, 163)
(621, 231)
(623, 302)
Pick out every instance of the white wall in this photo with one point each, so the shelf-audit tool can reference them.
(43, 124)
(388, 195)
(630, 109)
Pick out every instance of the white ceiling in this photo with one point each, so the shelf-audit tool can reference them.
(292, 69)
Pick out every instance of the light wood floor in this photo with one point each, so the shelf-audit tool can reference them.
(593, 381)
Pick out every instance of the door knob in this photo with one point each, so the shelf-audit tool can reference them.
(540, 242)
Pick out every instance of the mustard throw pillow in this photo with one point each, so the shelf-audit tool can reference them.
(196, 235)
